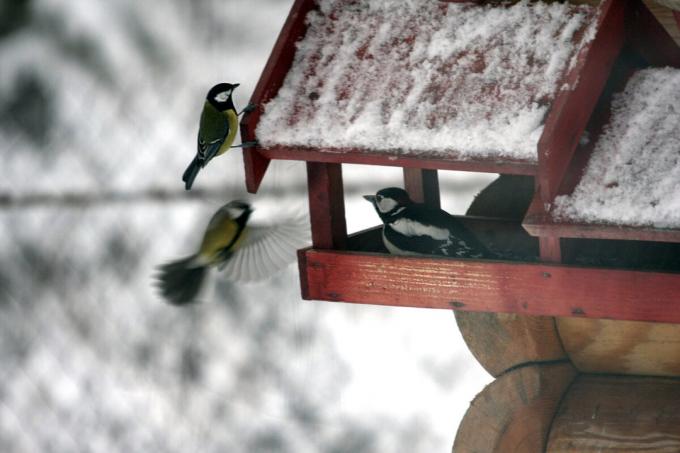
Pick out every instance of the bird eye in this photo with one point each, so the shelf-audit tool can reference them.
(379, 197)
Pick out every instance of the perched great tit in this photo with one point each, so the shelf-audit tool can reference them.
(241, 251)
(217, 129)
(416, 229)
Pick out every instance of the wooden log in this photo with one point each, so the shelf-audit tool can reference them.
(618, 414)
(513, 414)
(500, 341)
(621, 347)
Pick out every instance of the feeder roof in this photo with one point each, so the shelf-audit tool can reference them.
(633, 176)
(423, 77)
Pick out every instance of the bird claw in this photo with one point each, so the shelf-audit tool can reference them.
(244, 145)
(248, 108)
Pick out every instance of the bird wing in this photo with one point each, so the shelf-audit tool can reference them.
(212, 132)
(267, 249)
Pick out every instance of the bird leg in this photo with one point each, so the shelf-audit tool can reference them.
(247, 109)
(251, 144)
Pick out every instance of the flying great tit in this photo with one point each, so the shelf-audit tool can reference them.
(217, 129)
(241, 251)
(411, 228)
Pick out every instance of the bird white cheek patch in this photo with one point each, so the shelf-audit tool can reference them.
(408, 227)
(386, 204)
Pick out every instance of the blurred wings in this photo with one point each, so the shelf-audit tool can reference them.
(267, 249)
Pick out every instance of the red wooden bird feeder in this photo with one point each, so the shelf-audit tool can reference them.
(375, 85)
(578, 108)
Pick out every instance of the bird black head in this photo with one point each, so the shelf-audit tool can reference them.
(220, 95)
(388, 200)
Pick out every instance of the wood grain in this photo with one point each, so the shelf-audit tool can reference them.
(621, 347)
(326, 205)
(492, 286)
(500, 341)
(618, 414)
(422, 186)
(513, 414)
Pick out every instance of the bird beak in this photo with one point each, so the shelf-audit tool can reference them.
(370, 198)
(236, 84)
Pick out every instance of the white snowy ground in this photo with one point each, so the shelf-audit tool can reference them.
(91, 359)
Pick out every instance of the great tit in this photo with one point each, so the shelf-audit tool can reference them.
(241, 251)
(217, 129)
(411, 228)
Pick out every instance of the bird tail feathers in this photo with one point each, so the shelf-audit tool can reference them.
(180, 281)
(190, 173)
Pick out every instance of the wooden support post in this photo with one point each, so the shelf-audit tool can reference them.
(326, 205)
(551, 252)
(422, 185)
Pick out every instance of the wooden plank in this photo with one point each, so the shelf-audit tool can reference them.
(422, 186)
(400, 159)
(513, 414)
(500, 341)
(666, 17)
(326, 205)
(540, 223)
(618, 414)
(493, 286)
(621, 347)
(572, 108)
(278, 64)
(650, 39)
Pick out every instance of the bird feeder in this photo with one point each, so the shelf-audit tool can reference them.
(530, 91)
(605, 46)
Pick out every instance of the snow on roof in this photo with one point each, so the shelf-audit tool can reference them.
(453, 79)
(633, 176)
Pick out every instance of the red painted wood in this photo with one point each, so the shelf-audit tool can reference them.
(368, 157)
(539, 223)
(491, 286)
(422, 186)
(572, 108)
(280, 61)
(550, 249)
(650, 39)
(326, 205)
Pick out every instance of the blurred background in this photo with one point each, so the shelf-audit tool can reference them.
(99, 105)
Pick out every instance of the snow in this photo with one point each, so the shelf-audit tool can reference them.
(633, 176)
(426, 77)
(92, 360)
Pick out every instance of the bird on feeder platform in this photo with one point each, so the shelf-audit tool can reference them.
(217, 129)
(417, 229)
(242, 252)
